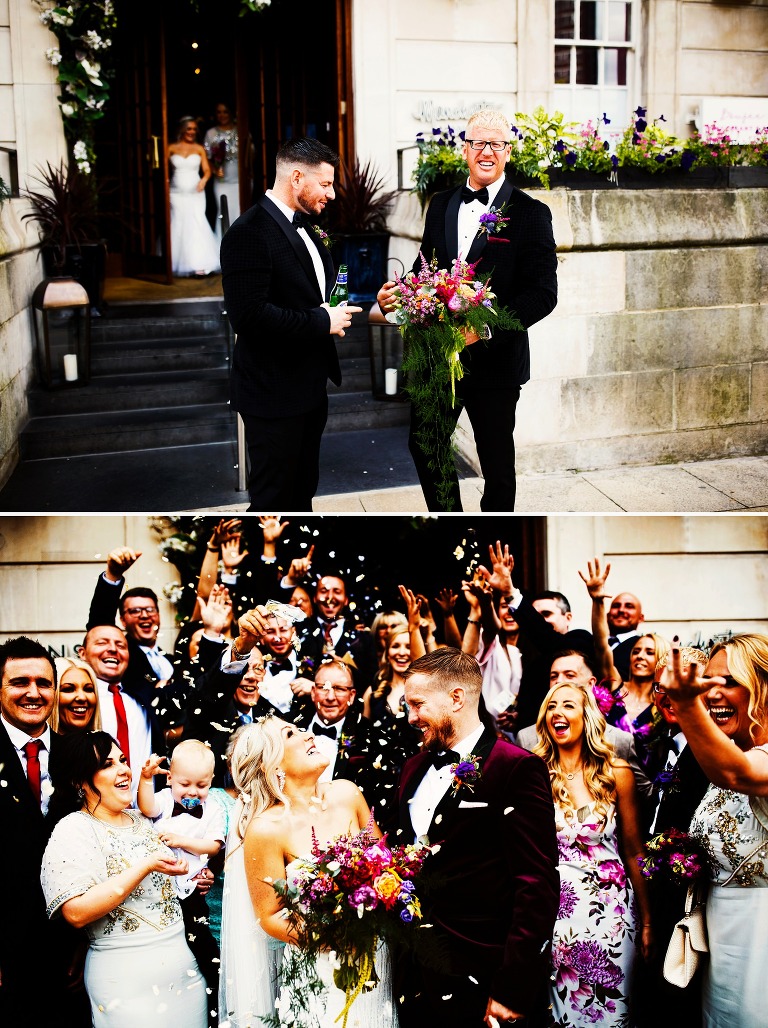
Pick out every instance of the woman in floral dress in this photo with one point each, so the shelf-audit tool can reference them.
(597, 929)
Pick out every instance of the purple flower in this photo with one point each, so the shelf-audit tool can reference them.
(641, 112)
(687, 160)
(606, 119)
(567, 900)
(465, 769)
(406, 916)
(612, 871)
(364, 897)
(593, 965)
(571, 158)
(559, 146)
(641, 124)
(614, 160)
(605, 698)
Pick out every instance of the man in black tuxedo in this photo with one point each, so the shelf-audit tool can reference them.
(36, 985)
(332, 631)
(521, 260)
(490, 893)
(277, 276)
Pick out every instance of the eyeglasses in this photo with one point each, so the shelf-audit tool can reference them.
(136, 611)
(480, 144)
(337, 690)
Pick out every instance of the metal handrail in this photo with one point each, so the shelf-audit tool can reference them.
(400, 152)
(242, 449)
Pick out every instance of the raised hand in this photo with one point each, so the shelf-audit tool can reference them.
(272, 527)
(683, 682)
(502, 563)
(152, 767)
(595, 579)
(225, 529)
(252, 626)
(300, 566)
(231, 554)
(216, 613)
(413, 607)
(446, 600)
(119, 560)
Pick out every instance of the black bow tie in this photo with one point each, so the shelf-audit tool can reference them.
(329, 730)
(613, 640)
(468, 195)
(300, 220)
(444, 759)
(179, 808)
(275, 666)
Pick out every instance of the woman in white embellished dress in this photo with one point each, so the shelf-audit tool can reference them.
(275, 768)
(598, 836)
(194, 247)
(728, 705)
(105, 870)
(223, 149)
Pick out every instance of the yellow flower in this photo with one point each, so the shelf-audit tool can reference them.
(387, 887)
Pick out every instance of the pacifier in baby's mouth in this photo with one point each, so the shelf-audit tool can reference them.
(190, 802)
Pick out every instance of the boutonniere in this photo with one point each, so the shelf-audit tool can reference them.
(466, 772)
(325, 239)
(345, 742)
(493, 221)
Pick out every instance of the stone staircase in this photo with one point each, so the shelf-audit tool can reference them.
(159, 378)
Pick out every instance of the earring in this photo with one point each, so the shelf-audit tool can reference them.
(280, 778)
(80, 795)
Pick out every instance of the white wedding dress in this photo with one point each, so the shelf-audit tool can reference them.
(194, 247)
(251, 963)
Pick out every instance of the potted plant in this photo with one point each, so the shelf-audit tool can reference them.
(441, 163)
(359, 229)
(66, 216)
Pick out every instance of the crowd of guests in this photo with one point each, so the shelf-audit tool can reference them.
(117, 787)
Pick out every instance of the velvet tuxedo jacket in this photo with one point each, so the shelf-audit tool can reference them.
(284, 353)
(492, 890)
(522, 264)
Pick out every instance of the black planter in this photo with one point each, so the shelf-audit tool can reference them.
(86, 263)
(366, 258)
(673, 178)
(579, 178)
(748, 177)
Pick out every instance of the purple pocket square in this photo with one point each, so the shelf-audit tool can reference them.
(498, 239)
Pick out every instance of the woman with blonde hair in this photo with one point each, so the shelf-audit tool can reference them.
(599, 841)
(281, 809)
(76, 702)
(724, 714)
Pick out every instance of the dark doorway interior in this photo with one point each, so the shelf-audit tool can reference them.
(283, 74)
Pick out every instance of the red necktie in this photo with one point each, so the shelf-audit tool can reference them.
(328, 627)
(122, 721)
(32, 750)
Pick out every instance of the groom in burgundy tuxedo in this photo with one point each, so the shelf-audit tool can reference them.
(522, 263)
(490, 893)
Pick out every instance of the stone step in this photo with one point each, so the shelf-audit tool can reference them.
(132, 392)
(132, 321)
(355, 376)
(125, 357)
(123, 431)
(349, 412)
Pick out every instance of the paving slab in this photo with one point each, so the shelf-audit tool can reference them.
(562, 493)
(660, 489)
(744, 479)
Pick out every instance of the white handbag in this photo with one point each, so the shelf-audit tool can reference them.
(688, 942)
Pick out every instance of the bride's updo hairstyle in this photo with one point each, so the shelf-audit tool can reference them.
(256, 758)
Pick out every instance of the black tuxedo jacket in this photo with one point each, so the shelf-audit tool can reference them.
(492, 890)
(284, 352)
(683, 795)
(360, 646)
(34, 952)
(522, 263)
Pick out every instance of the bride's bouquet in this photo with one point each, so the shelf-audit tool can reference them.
(346, 897)
(674, 856)
(435, 310)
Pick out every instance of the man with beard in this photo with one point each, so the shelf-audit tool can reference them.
(277, 277)
(490, 892)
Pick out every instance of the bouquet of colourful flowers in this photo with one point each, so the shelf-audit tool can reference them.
(435, 309)
(673, 856)
(218, 155)
(346, 897)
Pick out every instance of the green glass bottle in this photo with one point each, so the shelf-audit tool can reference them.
(340, 293)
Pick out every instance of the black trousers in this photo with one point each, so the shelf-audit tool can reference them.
(284, 457)
(491, 413)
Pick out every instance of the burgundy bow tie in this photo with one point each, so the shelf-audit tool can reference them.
(179, 808)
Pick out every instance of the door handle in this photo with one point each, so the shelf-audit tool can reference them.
(154, 157)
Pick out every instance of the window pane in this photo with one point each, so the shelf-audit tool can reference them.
(562, 65)
(586, 65)
(588, 19)
(564, 19)
(619, 21)
(615, 67)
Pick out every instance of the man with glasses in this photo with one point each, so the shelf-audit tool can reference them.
(519, 255)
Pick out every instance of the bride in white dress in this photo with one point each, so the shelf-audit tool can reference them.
(275, 768)
(194, 247)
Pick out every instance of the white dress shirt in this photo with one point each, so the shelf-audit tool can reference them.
(139, 731)
(469, 216)
(434, 786)
(277, 687)
(20, 740)
(317, 260)
(327, 746)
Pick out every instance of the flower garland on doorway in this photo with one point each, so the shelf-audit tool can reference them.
(84, 30)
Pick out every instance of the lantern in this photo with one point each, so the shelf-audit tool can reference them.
(62, 313)
(385, 347)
